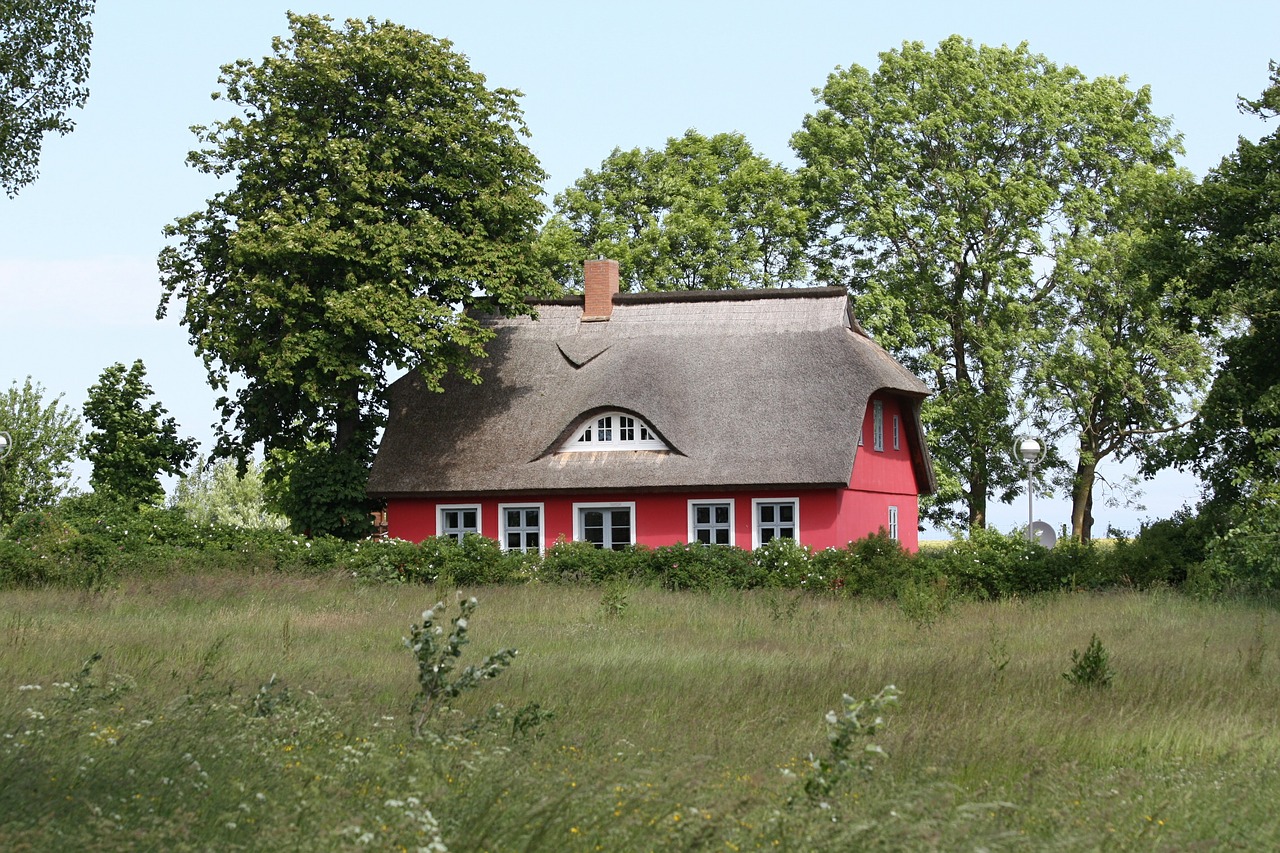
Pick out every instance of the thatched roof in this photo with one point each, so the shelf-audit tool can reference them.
(751, 388)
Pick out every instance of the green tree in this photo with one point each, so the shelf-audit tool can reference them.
(37, 470)
(1226, 244)
(219, 493)
(1113, 366)
(703, 213)
(945, 188)
(381, 193)
(44, 65)
(131, 444)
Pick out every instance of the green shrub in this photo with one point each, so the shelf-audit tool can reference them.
(785, 563)
(697, 566)
(19, 565)
(582, 562)
(875, 566)
(1092, 668)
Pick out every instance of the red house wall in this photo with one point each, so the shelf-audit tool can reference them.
(828, 517)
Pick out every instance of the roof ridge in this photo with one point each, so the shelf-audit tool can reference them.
(744, 294)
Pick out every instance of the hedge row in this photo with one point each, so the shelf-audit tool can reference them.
(88, 541)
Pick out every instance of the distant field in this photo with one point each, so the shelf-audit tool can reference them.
(681, 721)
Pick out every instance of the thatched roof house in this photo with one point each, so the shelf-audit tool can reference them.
(723, 395)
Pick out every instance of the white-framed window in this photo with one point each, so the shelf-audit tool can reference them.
(711, 522)
(457, 520)
(877, 424)
(605, 525)
(774, 518)
(613, 431)
(893, 522)
(521, 527)
(896, 431)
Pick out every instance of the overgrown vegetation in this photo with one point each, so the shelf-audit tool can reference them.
(271, 711)
(92, 540)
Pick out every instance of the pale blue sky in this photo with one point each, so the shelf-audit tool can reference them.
(78, 287)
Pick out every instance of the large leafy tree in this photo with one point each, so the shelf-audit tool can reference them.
(45, 437)
(131, 443)
(380, 190)
(945, 188)
(44, 66)
(705, 212)
(1113, 367)
(1228, 249)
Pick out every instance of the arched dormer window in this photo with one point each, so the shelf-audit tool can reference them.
(613, 431)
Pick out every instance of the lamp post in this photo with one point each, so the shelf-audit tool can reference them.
(1029, 450)
(6, 444)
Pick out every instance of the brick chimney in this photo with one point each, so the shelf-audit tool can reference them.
(601, 284)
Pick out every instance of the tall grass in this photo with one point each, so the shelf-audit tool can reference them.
(678, 720)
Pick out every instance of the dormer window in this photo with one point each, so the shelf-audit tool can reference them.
(614, 431)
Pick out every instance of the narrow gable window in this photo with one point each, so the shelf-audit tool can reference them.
(613, 431)
(877, 426)
(895, 433)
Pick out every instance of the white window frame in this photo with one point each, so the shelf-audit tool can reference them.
(611, 424)
(693, 508)
(542, 524)
(896, 432)
(579, 508)
(441, 509)
(893, 522)
(877, 418)
(755, 517)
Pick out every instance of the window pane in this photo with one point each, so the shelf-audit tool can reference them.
(451, 519)
(469, 519)
(787, 532)
(531, 518)
(513, 518)
(703, 535)
(786, 513)
(722, 536)
(702, 515)
(531, 540)
(766, 513)
(766, 534)
(513, 541)
(722, 514)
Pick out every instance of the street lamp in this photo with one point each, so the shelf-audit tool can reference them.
(6, 444)
(1029, 450)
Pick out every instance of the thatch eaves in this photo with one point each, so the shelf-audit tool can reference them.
(749, 389)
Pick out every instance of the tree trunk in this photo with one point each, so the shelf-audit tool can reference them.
(1082, 497)
(978, 484)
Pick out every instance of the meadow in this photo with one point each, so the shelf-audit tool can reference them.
(273, 711)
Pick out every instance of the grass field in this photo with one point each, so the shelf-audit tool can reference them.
(272, 712)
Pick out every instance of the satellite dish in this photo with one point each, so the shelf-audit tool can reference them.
(1043, 533)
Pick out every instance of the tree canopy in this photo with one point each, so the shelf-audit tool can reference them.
(1227, 246)
(44, 66)
(381, 196)
(945, 188)
(1112, 365)
(706, 212)
(45, 436)
(131, 443)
